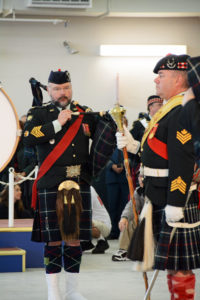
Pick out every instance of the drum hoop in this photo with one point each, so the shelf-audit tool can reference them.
(18, 127)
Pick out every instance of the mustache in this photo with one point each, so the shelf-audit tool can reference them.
(57, 102)
(63, 98)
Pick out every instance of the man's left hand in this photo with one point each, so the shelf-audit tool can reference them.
(173, 213)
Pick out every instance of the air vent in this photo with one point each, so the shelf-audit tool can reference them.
(60, 3)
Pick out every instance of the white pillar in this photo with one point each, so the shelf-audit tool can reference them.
(11, 198)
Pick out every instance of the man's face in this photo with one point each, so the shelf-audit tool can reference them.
(154, 107)
(60, 93)
(166, 84)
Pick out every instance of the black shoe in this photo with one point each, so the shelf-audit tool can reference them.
(112, 237)
(101, 246)
(86, 245)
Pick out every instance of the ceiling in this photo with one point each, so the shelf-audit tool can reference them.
(11, 10)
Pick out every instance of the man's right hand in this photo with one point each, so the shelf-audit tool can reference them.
(127, 140)
(64, 116)
(123, 223)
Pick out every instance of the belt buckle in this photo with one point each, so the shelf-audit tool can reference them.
(73, 171)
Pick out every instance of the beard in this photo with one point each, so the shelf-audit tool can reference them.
(62, 102)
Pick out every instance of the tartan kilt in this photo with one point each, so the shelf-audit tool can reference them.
(183, 253)
(45, 224)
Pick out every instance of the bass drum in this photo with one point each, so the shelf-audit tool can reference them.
(9, 129)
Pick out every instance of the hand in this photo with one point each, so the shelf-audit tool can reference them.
(117, 169)
(17, 176)
(123, 223)
(126, 140)
(64, 116)
(173, 213)
(140, 179)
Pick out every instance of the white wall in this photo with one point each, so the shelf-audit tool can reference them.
(34, 49)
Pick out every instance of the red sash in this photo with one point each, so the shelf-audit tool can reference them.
(156, 145)
(56, 153)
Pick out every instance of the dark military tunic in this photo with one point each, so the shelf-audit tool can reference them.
(39, 131)
(180, 162)
(176, 154)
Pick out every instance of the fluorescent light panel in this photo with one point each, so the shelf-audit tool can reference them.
(141, 50)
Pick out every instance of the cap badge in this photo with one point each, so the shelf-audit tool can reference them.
(171, 64)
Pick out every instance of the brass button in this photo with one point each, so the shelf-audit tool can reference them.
(74, 155)
(73, 145)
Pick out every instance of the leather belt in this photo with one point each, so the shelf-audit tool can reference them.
(156, 172)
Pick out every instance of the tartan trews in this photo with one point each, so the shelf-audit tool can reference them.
(184, 251)
(45, 225)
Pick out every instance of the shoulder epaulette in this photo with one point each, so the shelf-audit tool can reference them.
(46, 104)
(84, 107)
(34, 108)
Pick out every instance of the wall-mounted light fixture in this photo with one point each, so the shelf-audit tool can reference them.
(69, 48)
(141, 50)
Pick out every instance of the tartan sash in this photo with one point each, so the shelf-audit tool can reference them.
(55, 154)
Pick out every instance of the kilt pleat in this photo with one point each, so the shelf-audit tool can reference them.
(183, 253)
(45, 225)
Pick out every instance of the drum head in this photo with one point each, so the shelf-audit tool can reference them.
(9, 127)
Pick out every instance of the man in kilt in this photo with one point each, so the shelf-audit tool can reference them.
(62, 143)
(168, 164)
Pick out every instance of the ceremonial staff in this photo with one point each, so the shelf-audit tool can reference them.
(117, 114)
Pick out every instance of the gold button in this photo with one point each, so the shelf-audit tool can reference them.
(74, 155)
(72, 145)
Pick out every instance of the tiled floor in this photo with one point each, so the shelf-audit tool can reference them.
(100, 279)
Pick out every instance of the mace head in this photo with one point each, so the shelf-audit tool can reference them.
(117, 113)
